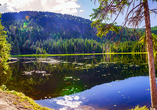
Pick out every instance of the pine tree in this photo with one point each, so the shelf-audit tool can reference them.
(138, 12)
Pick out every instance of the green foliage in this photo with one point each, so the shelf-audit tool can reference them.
(132, 46)
(154, 29)
(101, 17)
(62, 46)
(3, 87)
(4, 47)
(40, 51)
(40, 33)
(140, 108)
(142, 40)
(104, 28)
(52, 33)
(4, 55)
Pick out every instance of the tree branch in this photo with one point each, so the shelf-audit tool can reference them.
(132, 11)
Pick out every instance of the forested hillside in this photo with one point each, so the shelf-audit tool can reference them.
(45, 32)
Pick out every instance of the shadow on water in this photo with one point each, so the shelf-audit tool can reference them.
(52, 77)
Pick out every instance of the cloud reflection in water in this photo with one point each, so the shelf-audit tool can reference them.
(70, 101)
(124, 94)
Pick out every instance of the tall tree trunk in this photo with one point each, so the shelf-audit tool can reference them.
(151, 65)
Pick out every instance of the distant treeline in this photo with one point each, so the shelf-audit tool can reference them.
(69, 46)
(53, 46)
(132, 46)
(33, 32)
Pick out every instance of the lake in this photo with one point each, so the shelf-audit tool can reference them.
(96, 82)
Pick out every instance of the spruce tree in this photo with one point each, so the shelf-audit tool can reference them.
(4, 55)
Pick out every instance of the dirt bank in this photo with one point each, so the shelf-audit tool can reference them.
(11, 100)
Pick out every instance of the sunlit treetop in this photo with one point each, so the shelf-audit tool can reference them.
(111, 9)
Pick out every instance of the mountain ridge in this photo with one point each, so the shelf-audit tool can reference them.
(32, 31)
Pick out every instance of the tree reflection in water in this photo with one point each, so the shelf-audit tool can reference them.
(39, 79)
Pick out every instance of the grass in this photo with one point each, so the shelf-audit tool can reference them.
(22, 99)
(140, 108)
(34, 106)
(77, 54)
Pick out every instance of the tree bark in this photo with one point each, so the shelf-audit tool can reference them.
(151, 65)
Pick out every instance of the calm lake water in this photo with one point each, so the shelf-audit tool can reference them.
(106, 82)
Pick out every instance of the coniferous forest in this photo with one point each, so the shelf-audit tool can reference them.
(33, 32)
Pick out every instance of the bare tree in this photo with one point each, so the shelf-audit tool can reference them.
(136, 12)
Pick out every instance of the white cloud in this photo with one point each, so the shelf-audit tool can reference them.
(81, 10)
(58, 6)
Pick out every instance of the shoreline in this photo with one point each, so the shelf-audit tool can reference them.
(12, 100)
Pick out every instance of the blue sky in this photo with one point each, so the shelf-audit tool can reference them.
(82, 8)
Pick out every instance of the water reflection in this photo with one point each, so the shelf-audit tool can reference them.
(52, 77)
(39, 78)
(69, 101)
(118, 95)
(5, 73)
